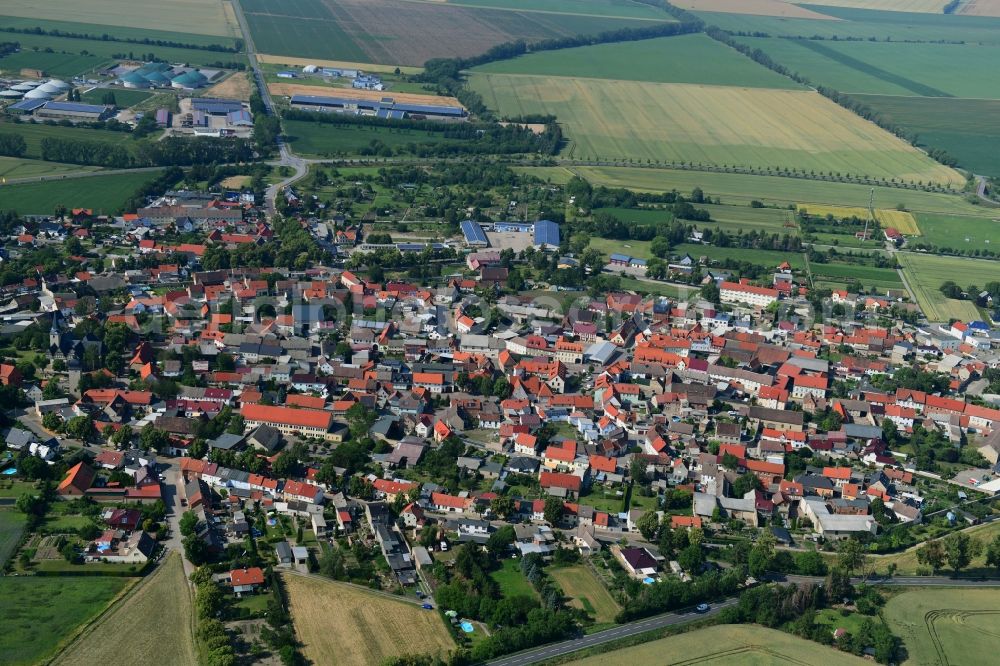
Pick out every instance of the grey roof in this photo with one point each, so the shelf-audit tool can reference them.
(18, 438)
(226, 441)
(76, 107)
(283, 551)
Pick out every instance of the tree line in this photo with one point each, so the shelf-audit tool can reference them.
(12, 145)
(173, 151)
(237, 46)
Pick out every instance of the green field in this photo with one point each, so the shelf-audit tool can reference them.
(54, 64)
(123, 98)
(925, 274)
(680, 59)
(321, 140)
(640, 249)
(881, 68)
(202, 17)
(104, 194)
(33, 134)
(40, 612)
(742, 189)
(586, 591)
(398, 32)
(730, 218)
(725, 645)
(869, 276)
(865, 24)
(615, 8)
(961, 233)
(511, 581)
(17, 167)
(722, 126)
(966, 129)
(946, 626)
(112, 31)
(11, 527)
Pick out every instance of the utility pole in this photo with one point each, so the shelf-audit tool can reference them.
(871, 213)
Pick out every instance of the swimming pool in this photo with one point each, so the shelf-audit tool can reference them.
(10, 471)
(467, 627)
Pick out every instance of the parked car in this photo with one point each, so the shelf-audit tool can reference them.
(427, 607)
(702, 608)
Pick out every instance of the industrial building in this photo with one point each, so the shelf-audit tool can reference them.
(162, 75)
(474, 235)
(381, 108)
(48, 110)
(546, 235)
(216, 106)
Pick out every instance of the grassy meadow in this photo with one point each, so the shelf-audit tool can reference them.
(586, 591)
(321, 140)
(105, 194)
(511, 581)
(19, 167)
(11, 527)
(730, 218)
(926, 272)
(960, 232)
(66, 65)
(200, 17)
(946, 626)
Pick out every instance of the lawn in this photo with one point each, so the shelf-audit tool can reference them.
(588, 593)
(104, 194)
(906, 561)
(742, 189)
(163, 600)
(925, 274)
(867, 275)
(720, 126)
(966, 129)
(946, 626)
(959, 232)
(63, 524)
(680, 59)
(322, 140)
(730, 218)
(201, 17)
(123, 98)
(889, 68)
(742, 645)
(511, 581)
(41, 613)
(12, 489)
(329, 617)
(11, 527)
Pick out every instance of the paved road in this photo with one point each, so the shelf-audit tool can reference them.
(623, 631)
(78, 174)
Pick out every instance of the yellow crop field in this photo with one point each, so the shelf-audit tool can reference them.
(752, 7)
(201, 17)
(673, 123)
(901, 220)
(360, 627)
(913, 6)
(980, 8)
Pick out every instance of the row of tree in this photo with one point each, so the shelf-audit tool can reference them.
(173, 151)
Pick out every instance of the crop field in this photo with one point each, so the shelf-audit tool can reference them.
(104, 194)
(163, 600)
(123, 98)
(201, 17)
(889, 68)
(11, 527)
(729, 645)
(318, 139)
(902, 221)
(33, 134)
(55, 64)
(742, 189)
(776, 8)
(715, 125)
(914, 6)
(967, 129)
(926, 272)
(730, 218)
(869, 276)
(588, 593)
(329, 617)
(40, 613)
(606, 8)
(17, 167)
(398, 32)
(946, 626)
(960, 232)
(980, 8)
(680, 59)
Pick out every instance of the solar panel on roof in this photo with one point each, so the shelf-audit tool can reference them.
(27, 104)
(546, 233)
(74, 106)
(473, 232)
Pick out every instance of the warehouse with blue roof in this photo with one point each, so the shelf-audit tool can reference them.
(546, 235)
(474, 234)
(385, 107)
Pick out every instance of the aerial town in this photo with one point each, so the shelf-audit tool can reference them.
(415, 345)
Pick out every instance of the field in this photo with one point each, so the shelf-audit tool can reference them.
(980, 8)
(960, 233)
(588, 593)
(736, 645)
(511, 581)
(123, 98)
(870, 276)
(606, 8)
(742, 189)
(881, 68)
(54, 64)
(163, 600)
(105, 194)
(720, 126)
(17, 167)
(902, 221)
(289, 89)
(33, 134)
(302, 62)
(680, 59)
(967, 129)
(397, 32)
(201, 17)
(730, 218)
(11, 527)
(318, 139)
(776, 8)
(236, 86)
(40, 613)
(925, 274)
(329, 617)
(942, 626)
(915, 6)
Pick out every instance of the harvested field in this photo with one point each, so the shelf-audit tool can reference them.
(406, 33)
(927, 272)
(236, 86)
(753, 8)
(588, 593)
(980, 8)
(201, 17)
(902, 221)
(235, 181)
(604, 8)
(909, 6)
(941, 626)
(712, 125)
(163, 600)
(365, 66)
(736, 645)
(289, 89)
(329, 617)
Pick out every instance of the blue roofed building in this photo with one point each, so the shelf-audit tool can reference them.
(474, 234)
(73, 111)
(546, 235)
(214, 106)
(386, 107)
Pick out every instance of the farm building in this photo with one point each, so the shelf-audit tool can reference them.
(546, 235)
(514, 227)
(474, 236)
(26, 106)
(72, 111)
(383, 108)
(189, 80)
(241, 118)
(162, 117)
(215, 106)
